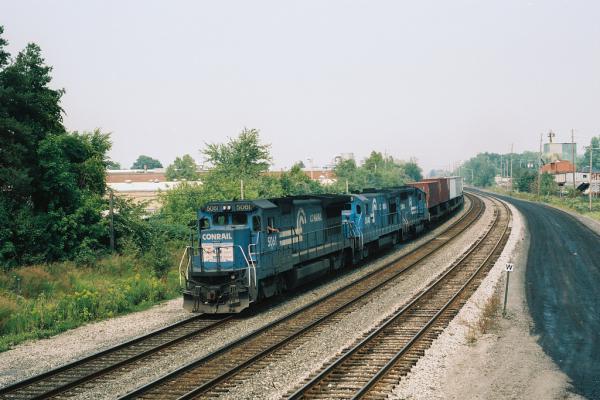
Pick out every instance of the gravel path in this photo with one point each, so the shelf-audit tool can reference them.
(305, 356)
(37, 356)
(504, 363)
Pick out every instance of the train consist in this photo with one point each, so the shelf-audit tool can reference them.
(249, 250)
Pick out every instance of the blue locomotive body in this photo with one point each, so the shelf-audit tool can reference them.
(249, 250)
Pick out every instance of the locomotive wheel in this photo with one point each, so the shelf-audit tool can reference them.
(281, 284)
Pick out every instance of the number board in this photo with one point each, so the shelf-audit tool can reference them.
(243, 207)
(213, 208)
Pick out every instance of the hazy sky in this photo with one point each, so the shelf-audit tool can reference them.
(435, 80)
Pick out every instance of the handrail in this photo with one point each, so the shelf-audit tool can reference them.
(181, 274)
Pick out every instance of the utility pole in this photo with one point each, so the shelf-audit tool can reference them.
(540, 168)
(573, 154)
(590, 176)
(111, 221)
(501, 166)
(511, 170)
(242, 189)
(347, 191)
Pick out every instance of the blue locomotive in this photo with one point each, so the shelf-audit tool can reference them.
(249, 250)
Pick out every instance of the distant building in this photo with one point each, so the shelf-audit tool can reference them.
(343, 157)
(503, 181)
(136, 175)
(324, 176)
(140, 185)
(559, 151)
(566, 179)
(558, 167)
(143, 192)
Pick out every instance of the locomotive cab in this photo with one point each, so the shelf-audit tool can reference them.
(222, 273)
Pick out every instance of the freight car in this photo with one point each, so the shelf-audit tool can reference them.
(249, 250)
(444, 195)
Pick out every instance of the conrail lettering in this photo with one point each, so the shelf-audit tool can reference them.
(217, 236)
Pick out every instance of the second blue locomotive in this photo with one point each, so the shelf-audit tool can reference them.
(249, 250)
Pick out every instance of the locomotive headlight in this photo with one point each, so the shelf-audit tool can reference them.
(232, 276)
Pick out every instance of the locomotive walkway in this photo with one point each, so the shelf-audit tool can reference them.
(229, 365)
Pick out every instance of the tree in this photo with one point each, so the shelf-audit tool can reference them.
(548, 185)
(377, 171)
(243, 157)
(296, 182)
(51, 182)
(413, 171)
(482, 168)
(594, 143)
(113, 165)
(182, 168)
(148, 162)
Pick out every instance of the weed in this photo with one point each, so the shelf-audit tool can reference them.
(34, 281)
(62, 296)
(488, 319)
(471, 335)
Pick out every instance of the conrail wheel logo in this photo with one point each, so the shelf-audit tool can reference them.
(300, 221)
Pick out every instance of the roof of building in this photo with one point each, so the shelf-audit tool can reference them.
(143, 186)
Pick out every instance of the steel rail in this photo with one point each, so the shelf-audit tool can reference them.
(474, 213)
(319, 379)
(25, 389)
(381, 374)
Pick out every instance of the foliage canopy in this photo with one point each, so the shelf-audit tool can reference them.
(148, 162)
(182, 168)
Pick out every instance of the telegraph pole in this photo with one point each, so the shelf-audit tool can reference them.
(111, 221)
(590, 176)
(511, 160)
(573, 155)
(540, 168)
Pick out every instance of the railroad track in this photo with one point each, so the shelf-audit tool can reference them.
(94, 367)
(212, 374)
(372, 367)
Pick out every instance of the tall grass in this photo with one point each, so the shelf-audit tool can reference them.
(42, 300)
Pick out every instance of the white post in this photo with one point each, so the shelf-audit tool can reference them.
(242, 188)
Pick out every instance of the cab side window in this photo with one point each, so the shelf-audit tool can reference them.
(271, 225)
(204, 223)
(358, 209)
(256, 225)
